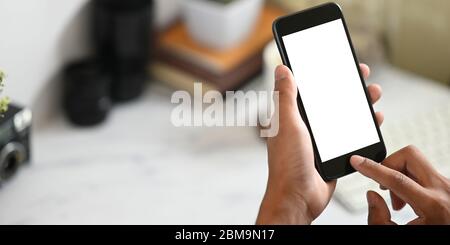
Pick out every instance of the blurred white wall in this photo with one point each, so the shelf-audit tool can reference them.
(36, 37)
(166, 12)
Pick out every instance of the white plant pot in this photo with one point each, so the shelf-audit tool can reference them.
(220, 26)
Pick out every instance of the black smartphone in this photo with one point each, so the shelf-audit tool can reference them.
(333, 99)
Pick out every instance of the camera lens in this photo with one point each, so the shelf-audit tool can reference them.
(87, 92)
(10, 166)
(122, 29)
(11, 157)
(122, 37)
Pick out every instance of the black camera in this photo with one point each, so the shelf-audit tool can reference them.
(15, 131)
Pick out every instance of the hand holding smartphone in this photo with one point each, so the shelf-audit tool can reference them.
(334, 103)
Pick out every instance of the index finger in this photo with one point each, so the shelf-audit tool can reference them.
(404, 187)
(413, 163)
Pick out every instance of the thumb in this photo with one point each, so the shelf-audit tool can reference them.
(285, 84)
(286, 101)
(379, 213)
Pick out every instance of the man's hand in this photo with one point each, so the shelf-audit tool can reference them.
(296, 193)
(411, 180)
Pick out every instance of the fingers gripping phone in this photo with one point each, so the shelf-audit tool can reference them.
(333, 99)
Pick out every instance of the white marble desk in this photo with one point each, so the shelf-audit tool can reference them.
(139, 169)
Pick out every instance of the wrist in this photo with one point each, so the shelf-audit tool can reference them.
(281, 206)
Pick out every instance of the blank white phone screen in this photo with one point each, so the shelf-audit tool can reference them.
(331, 90)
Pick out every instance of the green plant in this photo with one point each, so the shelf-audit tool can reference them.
(4, 102)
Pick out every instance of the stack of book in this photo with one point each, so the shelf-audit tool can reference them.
(180, 61)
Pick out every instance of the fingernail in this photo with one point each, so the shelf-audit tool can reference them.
(279, 74)
(370, 199)
(356, 160)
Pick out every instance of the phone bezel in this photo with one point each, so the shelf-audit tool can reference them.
(338, 167)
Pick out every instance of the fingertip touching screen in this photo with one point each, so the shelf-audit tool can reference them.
(331, 90)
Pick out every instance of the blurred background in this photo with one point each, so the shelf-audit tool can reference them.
(98, 77)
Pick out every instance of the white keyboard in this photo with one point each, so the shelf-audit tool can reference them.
(430, 132)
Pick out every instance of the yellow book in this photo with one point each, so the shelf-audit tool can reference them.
(177, 79)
